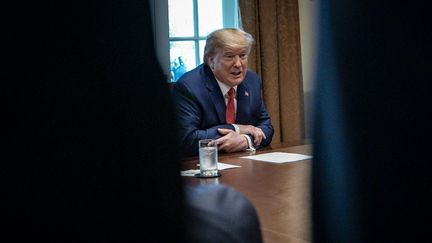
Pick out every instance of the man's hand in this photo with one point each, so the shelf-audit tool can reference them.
(256, 132)
(231, 141)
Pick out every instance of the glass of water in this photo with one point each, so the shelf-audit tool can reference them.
(208, 157)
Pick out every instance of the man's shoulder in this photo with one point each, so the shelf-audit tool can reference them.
(193, 76)
(252, 78)
(196, 79)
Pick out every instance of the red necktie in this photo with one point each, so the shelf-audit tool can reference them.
(230, 109)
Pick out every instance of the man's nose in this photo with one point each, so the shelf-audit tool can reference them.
(237, 60)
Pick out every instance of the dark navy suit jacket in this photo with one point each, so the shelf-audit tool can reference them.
(200, 107)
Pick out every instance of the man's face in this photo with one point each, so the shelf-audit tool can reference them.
(229, 65)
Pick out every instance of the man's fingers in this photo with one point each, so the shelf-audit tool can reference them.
(221, 142)
(224, 131)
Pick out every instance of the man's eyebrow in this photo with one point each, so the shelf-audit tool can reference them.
(234, 52)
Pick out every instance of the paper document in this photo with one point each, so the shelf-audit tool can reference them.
(278, 157)
(189, 172)
(221, 166)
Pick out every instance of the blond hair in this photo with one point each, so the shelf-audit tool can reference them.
(227, 37)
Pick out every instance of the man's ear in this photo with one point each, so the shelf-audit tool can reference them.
(210, 62)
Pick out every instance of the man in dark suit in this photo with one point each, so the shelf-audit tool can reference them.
(221, 98)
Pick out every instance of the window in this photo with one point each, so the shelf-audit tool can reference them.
(181, 27)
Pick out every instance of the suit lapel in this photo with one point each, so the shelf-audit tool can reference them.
(215, 95)
(243, 104)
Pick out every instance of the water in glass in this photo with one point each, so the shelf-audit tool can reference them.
(208, 161)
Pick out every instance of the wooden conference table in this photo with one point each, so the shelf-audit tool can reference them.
(279, 192)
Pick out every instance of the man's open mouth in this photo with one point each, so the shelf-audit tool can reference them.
(236, 73)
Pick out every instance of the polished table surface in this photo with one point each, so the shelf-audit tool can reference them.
(279, 192)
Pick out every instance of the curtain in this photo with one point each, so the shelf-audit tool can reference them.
(276, 57)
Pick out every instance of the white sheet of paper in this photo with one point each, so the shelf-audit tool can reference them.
(278, 157)
(189, 172)
(221, 166)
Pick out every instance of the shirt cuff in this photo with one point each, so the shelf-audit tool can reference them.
(236, 128)
(250, 144)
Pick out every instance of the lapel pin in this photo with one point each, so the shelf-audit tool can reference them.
(246, 93)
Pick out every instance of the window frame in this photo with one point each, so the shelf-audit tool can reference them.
(160, 17)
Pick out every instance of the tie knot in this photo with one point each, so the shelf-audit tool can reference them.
(231, 92)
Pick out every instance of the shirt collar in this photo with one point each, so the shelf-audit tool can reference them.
(224, 88)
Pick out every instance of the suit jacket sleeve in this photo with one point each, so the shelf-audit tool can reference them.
(189, 113)
(265, 124)
(262, 120)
